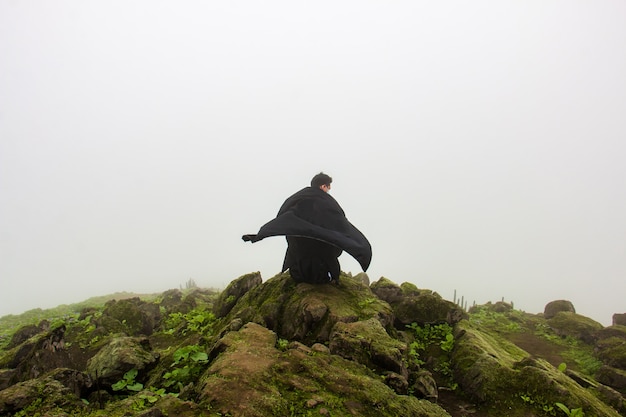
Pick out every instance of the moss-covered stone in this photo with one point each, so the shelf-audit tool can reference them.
(250, 377)
(118, 357)
(131, 316)
(39, 396)
(234, 291)
(613, 377)
(566, 323)
(554, 307)
(308, 312)
(387, 290)
(508, 382)
(368, 343)
(612, 351)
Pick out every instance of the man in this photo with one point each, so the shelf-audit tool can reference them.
(317, 232)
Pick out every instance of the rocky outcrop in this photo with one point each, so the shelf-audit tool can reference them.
(234, 291)
(411, 305)
(566, 323)
(308, 312)
(39, 393)
(119, 356)
(130, 316)
(368, 343)
(236, 382)
(281, 348)
(619, 319)
(491, 370)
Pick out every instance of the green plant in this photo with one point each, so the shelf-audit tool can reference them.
(282, 344)
(146, 399)
(448, 344)
(429, 336)
(187, 365)
(197, 320)
(128, 382)
(574, 412)
(366, 302)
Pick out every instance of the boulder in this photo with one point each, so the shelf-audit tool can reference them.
(308, 312)
(119, 356)
(425, 386)
(617, 331)
(171, 300)
(237, 382)
(619, 319)
(234, 291)
(38, 355)
(566, 323)
(387, 290)
(553, 307)
(131, 316)
(26, 332)
(614, 378)
(45, 393)
(368, 343)
(490, 369)
(363, 277)
(411, 305)
(612, 351)
(77, 382)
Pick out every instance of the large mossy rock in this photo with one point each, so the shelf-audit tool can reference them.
(40, 396)
(611, 346)
(612, 377)
(250, 377)
(554, 307)
(508, 382)
(568, 324)
(412, 305)
(368, 343)
(119, 356)
(234, 291)
(42, 353)
(308, 312)
(131, 316)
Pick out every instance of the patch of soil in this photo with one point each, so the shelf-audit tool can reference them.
(538, 347)
(457, 406)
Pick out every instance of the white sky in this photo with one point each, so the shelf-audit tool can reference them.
(479, 145)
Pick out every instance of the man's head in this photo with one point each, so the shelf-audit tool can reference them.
(321, 181)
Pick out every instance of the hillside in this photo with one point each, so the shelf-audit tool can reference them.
(275, 348)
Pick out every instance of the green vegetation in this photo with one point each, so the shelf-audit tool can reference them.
(128, 382)
(428, 335)
(437, 341)
(576, 412)
(188, 364)
(500, 362)
(197, 321)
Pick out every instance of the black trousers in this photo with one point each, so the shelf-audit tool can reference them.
(311, 260)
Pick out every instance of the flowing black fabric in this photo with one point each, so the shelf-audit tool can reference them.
(317, 231)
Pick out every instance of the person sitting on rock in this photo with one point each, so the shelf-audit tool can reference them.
(317, 232)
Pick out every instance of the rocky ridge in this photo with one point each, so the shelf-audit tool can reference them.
(277, 348)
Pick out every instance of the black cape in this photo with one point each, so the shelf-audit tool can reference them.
(314, 214)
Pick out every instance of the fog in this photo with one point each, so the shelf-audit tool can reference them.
(480, 146)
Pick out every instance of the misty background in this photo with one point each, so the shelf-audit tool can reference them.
(480, 146)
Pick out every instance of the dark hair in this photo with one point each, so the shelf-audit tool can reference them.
(321, 179)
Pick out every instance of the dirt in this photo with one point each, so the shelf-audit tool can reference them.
(538, 347)
(457, 406)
